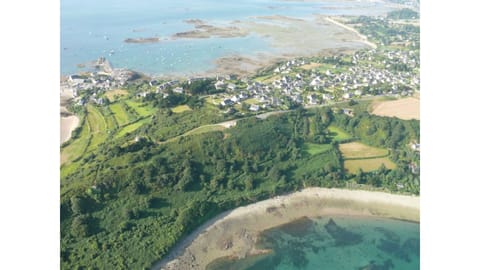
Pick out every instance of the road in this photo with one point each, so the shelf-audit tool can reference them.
(232, 123)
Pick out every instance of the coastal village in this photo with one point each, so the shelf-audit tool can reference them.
(390, 70)
(300, 82)
(152, 158)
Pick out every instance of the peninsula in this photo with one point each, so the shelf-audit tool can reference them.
(153, 160)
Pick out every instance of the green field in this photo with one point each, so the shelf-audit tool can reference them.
(120, 114)
(98, 127)
(75, 149)
(109, 118)
(356, 150)
(205, 129)
(113, 95)
(131, 128)
(338, 134)
(78, 146)
(95, 120)
(213, 101)
(181, 108)
(267, 78)
(368, 165)
(141, 109)
(314, 149)
(252, 101)
(311, 127)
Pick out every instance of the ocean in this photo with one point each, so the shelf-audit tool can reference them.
(92, 29)
(335, 242)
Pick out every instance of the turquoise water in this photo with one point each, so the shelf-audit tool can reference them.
(336, 242)
(92, 29)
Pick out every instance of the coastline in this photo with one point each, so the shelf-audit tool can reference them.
(67, 125)
(68, 121)
(288, 37)
(361, 37)
(234, 233)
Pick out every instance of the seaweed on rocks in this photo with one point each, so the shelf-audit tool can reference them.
(342, 236)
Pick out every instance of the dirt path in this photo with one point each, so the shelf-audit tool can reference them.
(362, 37)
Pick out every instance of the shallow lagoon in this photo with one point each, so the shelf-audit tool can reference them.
(335, 242)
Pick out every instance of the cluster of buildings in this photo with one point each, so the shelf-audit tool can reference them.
(103, 78)
(370, 73)
(367, 72)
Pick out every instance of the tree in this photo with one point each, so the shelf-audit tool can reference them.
(80, 226)
(360, 176)
(78, 205)
(248, 183)
(185, 180)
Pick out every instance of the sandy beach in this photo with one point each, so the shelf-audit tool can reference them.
(67, 125)
(234, 233)
(68, 121)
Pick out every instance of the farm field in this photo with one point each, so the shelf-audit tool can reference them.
(77, 147)
(355, 150)
(310, 66)
(406, 108)
(109, 118)
(252, 101)
(368, 165)
(121, 115)
(141, 109)
(181, 108)
(98, 127)
(130, 128)
(113, 94)
(205, 129)
(314, 149)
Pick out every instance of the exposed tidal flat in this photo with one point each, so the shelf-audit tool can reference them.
(190, 38)
(344, 219)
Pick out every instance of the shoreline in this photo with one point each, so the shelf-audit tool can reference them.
(362, 38)
(67, 125)
(68, 120)
(234, 233)
(319, 35)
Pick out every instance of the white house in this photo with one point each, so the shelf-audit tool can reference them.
(178, 90)
(231, 86)
(219, 85)
(312, 99)
(327, 97)
(254, 108)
